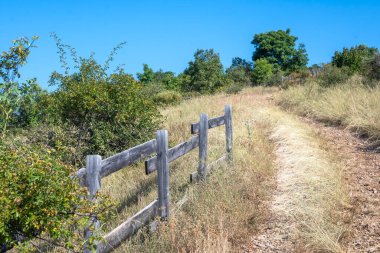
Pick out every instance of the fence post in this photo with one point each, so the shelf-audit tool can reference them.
(229, 140)
(203, 139)
(163, 174)
(93, 166)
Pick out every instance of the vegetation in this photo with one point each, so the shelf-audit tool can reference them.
(262, 72)
(279, 49)
(90, 112)
(240, 72)
(351, 103)
(39, 199)
(313, 196)
(205, 73)
(354, 59)
(45, 137)
(17, 100)
(210, 217)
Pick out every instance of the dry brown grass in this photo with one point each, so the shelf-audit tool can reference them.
(223, 213)
(218, 215)
(351, 104)
(311, 187)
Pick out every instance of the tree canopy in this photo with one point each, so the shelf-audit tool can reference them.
(262, 72)
(205, 72)
(279, 49)
(354, 58)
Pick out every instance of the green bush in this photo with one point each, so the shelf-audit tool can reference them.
(168, 97)
(234, 88)
(373, 68)
(110, 114)
(354, 58)
(331, 75)
(37, 196)
(152, 89)
(276, 79)
(262, 71)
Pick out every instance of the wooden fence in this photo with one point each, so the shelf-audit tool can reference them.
(96, 169)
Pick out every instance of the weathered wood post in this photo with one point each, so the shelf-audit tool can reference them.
(229, 140)
(93, 166)
(163, 174)
(203, 142)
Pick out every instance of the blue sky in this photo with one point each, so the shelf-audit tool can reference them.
(165, 34)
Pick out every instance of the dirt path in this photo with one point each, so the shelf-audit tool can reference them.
(327, 195)
(362, 170)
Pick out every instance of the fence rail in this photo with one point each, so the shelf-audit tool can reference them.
(96, 169)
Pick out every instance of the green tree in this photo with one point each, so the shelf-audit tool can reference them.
(17, 100)
(354, 58)
(262, 71)
(240, 71)
(205, 72)
(147, 76)
(167, 79)
(279, 49)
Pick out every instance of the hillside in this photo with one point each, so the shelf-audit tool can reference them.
(296, 185)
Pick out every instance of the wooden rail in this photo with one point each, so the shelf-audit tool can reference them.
(96, 169)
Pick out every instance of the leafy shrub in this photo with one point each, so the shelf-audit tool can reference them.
(276, 79)
(296, 78)
(168, 97)
(110, 112)
(262, 71)
(373, 68)
(331, 76)
(152, 89)
(110, 115)
(38, 197)
(17, 101)
(234, 88)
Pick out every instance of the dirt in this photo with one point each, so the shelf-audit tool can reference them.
(362, 174)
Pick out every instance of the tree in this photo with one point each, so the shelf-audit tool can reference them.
(240, 71)
(17, 100)
(262, 71)
(354, 58)
(167, 79)
(205, 73)
(279, 49)
(147, 76)
(238, 62)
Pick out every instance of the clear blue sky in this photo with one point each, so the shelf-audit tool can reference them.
(165, 34)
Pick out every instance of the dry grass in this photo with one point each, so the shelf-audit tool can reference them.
(311, 189)
(351, 104)
(219, 215)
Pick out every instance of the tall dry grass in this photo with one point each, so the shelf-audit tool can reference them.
(216, 216)
(311, 189)
(351, 104)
